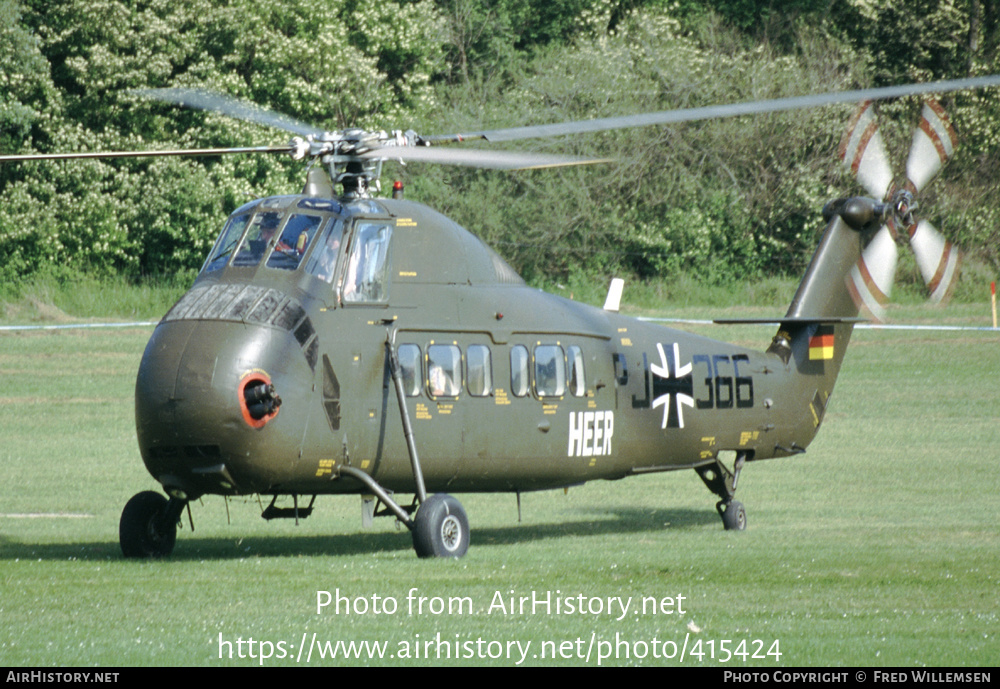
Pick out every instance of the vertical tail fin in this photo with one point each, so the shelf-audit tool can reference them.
(817, 328)
(818, 324)
(824, 291)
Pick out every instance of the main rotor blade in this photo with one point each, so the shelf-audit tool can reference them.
(719, 111)
(472, 157)
(862, 151)
(144, 154)
(934, 143)
(241, 110)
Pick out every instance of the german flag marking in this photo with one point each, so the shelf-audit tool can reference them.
(821, 346)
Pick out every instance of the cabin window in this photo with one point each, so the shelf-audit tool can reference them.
(577, 383)
(228, 240)
(366, 270)
(444, 370)
(323, 261)
(550, 371)
(409, 368)
(295, 238)
(519, 370)
(480, 370)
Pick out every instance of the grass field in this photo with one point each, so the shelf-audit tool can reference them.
(879, 547)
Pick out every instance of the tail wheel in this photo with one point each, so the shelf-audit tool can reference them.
(145, 529)
(441, 528)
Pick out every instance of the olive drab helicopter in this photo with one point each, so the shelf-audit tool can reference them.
(339, 342)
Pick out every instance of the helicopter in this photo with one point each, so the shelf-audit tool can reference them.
(338, 342)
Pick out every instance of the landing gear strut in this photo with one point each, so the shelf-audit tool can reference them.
(440, 527)
(148, 526)
(722, 482)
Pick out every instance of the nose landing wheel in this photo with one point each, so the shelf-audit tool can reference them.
(148, 526)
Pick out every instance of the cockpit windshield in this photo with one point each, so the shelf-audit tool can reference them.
(295, 238)
(228, 240)
(247, 239)
(260, 234)
(353, 257)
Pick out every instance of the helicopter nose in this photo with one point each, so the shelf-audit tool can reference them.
(209, 406)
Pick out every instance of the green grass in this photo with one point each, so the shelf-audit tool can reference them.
(877, 547)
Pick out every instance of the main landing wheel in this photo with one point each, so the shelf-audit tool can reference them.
(146, 529)
(734, 517)
(441, 528)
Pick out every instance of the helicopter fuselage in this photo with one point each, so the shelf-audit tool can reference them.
(273, 372)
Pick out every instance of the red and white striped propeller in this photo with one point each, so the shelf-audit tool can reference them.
(862, 151)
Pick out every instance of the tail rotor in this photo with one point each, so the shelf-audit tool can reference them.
(863, 153)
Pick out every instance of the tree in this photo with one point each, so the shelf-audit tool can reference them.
(25, 89)
(339, 63)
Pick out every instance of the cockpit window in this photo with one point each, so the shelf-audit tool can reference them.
(263, 229)
(293, 242)
(366, 270)
(323, 261)
(228, 240)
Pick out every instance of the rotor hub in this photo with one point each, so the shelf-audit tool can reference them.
(354, 156)
(902, 208)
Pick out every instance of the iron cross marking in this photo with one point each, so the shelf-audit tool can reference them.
(671, 380)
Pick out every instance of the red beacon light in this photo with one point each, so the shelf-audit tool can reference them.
(397, 189)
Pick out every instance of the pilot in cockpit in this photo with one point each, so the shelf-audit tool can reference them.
(267, 225)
